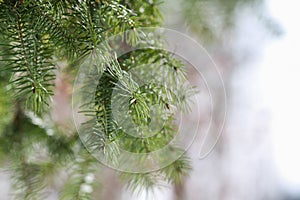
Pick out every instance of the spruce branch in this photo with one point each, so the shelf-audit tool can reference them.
(34, 36)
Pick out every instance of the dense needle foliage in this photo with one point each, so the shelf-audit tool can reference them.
(37, 35)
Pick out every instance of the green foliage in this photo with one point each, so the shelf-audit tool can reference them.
(138, 182)
(23, 145)
(80, 184)
(35, 36)
(6, 109)
(27, 52)
(173, 173)
(214, 17)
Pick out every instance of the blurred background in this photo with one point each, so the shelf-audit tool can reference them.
(255, 44)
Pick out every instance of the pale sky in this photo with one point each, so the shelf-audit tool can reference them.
(281, 88)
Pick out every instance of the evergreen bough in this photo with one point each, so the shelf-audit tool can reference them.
(35, 36)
